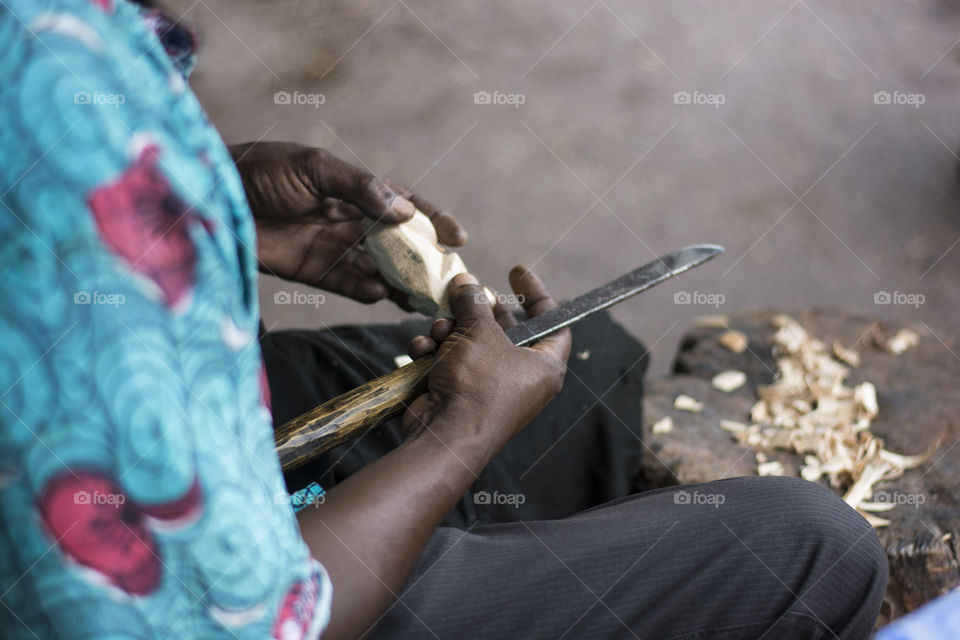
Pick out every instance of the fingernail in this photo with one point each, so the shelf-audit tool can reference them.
(464, 279)
(402, 206)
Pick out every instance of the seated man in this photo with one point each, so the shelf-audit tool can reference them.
(138, 479)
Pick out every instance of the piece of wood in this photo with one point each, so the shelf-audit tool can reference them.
(412, 260)
(350, 415)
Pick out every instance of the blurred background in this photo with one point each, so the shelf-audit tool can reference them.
(815, 140)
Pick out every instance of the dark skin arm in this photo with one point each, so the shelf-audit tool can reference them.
(483, 390)
(309, 208)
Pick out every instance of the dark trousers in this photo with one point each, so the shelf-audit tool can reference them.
(559, 539)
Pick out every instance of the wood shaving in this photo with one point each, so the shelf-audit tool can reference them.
(899, 342)
(773, 468)
(728, 381)
(874, 520)
(735, 341)
(849, 356)
(809, 410)
(716, 321)
(663, 425)
(733, 426)
(686, 403)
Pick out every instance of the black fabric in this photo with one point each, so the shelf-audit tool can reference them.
(583, 450)
(581, 557)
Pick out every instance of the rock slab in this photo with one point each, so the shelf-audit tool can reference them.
(919, 411)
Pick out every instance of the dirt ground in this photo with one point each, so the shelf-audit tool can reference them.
(816, 140)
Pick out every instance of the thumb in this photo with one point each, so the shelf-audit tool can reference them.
(468, 300)
(335, 178)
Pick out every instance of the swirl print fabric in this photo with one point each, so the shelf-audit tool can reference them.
(140, 495)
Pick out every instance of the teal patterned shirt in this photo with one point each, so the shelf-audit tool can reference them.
(140, 494)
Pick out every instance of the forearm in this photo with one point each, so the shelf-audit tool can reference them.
(371, 529)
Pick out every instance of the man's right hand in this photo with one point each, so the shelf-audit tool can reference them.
(373, 526)
(483, 389)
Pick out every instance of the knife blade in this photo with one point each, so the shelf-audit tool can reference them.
(627, 285)
(355, 412)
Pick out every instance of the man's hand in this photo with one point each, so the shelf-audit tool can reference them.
(373, 526)
(479, 372)
(309, 208)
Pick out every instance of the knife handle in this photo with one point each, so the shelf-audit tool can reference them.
(350, 415)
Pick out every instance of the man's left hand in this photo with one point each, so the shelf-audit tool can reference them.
(309, 207)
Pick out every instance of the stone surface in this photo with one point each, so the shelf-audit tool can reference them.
(919, 409)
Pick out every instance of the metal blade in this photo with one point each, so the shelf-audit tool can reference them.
(629, 284)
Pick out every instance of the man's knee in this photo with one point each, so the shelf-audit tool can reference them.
(846, 565)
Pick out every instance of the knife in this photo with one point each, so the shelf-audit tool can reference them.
(355, 412)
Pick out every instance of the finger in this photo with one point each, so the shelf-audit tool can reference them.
(468, 300)
(317, 258)
(441, 329)
(536, 300)
(449, 230)
(348, 232)
(421, 346)
(347, 281)
(333, 178)
(338, 210)
(360, 260)
(531, 292)
(400, 298)
(504, 315)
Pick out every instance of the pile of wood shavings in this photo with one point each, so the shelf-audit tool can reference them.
(810, 411)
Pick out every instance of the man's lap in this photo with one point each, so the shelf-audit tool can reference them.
(779, 558)
(561, 545)
(583, 450)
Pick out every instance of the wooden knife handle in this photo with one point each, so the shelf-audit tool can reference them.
(350, 415)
